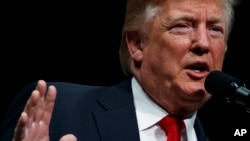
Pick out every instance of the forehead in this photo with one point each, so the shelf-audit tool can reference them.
(195, 7)
(189, 4)
(193, 1)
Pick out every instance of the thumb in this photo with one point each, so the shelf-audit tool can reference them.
(68, 137)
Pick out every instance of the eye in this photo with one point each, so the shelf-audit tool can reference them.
(181, 25)
(216, 31)
(181, 28)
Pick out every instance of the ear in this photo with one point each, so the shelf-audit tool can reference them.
(134, 46)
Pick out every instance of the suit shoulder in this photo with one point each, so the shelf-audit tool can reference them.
(74, 87)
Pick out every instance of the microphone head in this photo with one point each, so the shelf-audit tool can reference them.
(221, 84)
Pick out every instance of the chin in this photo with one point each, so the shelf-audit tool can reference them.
(197, 95)
(198, 98)
(194, 90)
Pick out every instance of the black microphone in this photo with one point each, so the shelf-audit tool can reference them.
(223, 85)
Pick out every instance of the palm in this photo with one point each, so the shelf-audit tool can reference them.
(33, 124)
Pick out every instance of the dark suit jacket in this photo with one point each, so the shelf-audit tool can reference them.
(91, 113)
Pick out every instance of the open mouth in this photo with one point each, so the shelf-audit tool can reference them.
(200, 67)
(198, 70)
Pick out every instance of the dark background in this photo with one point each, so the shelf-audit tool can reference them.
(78, 42)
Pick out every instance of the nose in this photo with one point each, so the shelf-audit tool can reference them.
(201, 41)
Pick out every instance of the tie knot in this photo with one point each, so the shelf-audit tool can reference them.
(172, 126)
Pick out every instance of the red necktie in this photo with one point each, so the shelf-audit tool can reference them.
(172, 127)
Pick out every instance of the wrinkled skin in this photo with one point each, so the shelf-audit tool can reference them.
(186, 41)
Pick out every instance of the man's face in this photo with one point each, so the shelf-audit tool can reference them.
(186, 41)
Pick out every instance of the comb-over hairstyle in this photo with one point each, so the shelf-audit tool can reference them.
(140, 13)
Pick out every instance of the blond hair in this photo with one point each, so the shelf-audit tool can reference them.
(139, 14)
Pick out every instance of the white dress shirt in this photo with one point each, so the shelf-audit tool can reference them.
(149, 114)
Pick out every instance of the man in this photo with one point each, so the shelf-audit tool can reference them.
(168, 49)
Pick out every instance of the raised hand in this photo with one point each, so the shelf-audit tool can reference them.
(33, 124)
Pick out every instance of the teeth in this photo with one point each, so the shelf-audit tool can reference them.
(197, 70)
(198, 67)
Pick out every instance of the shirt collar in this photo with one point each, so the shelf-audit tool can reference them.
(148, 112)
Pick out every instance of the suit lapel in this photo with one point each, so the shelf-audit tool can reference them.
(118, 122)
(199, 131)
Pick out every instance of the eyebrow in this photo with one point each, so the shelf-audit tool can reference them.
(191, 17)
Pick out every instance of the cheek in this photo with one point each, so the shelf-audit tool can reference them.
(177, 47)
(218, 58)
(164, 59)
(164, 51)
(174, 50)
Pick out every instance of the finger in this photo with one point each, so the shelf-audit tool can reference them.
(20, 131)
(68, 137)
(41, 88)
(49, 104)
(36, 95)
(30, 107)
